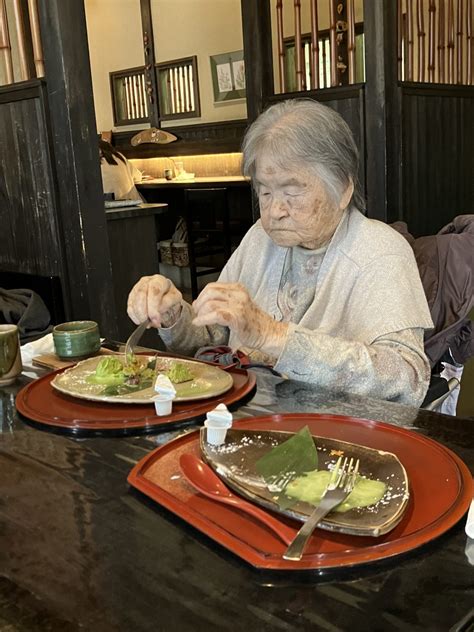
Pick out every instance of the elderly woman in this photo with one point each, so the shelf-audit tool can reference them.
(324, 294)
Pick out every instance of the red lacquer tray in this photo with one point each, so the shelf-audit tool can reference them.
(441, 491)
(40, 402)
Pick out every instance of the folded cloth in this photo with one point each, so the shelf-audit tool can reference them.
(30, 350)
(26, 309)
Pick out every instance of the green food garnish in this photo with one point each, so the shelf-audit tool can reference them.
(119, 378)
(310, 488)
(178, 373)
(125, 389)
(109, 371)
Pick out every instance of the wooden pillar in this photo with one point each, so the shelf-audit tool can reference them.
(87, 282)
(150, 61)
(382, 111)
(257, 36)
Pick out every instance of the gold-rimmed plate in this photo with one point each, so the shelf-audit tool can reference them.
(208, 381)
(235, 463)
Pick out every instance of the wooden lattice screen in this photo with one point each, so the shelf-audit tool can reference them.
(435, 41)
(24, 21)
(321, 58)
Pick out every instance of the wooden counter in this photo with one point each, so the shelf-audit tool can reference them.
(140, 210)
(197, 182)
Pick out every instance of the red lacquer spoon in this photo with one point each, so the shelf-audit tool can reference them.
(205, 480)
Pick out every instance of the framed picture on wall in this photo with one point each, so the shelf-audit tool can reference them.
(228, 76)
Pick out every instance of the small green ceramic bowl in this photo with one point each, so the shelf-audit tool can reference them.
(76, 339)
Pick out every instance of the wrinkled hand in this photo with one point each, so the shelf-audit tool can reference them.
(156, 298)
(230, 305)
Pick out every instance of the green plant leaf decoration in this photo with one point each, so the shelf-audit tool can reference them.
(288, 461)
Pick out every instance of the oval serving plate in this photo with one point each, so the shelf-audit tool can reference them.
(209, 381)
(234, 461)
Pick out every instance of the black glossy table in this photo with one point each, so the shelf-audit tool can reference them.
(79, 550)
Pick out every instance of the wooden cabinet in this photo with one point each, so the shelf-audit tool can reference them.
(133, 237)
(239, 199)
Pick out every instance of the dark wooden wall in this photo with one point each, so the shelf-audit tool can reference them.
(437, 155)
(27, 187)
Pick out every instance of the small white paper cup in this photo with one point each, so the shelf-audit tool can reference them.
(215, 434)
(163, 405)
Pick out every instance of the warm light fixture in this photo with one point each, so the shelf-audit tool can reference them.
(153, 135)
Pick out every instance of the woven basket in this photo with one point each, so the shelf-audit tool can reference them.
(180, 254)
(166, 254)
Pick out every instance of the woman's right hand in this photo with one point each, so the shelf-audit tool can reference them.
(154, 298)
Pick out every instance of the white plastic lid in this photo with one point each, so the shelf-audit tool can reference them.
(164, 386)
(220, 416)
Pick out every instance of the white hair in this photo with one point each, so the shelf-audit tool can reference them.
(302, 132)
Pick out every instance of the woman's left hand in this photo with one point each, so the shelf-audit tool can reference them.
(230, 305)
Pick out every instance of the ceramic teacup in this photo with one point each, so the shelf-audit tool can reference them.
(10, 355)
(76, 339)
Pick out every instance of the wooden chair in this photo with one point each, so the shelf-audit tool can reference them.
(209, 240)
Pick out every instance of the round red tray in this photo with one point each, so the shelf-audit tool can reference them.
(441, 490)
(43, 404)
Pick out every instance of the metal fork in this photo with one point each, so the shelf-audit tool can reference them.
(278, 483)
(133, 340)
(339, 488)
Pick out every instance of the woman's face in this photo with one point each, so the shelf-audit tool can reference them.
(294, 206)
